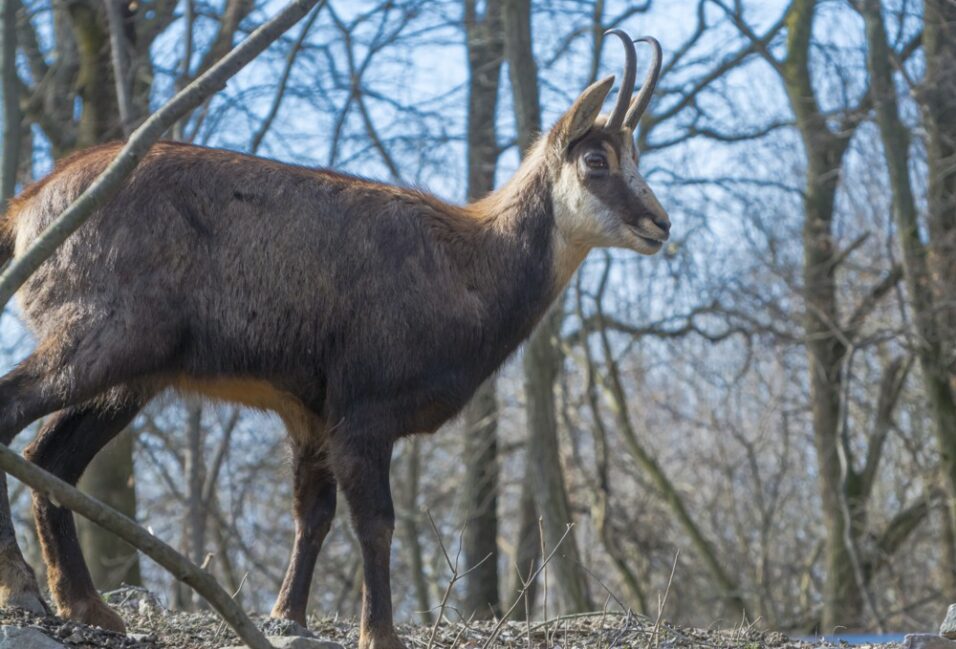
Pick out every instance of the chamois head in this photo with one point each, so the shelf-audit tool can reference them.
(599, 197)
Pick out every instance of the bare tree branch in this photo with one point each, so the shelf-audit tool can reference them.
(283, 82)
(110, 181)
(232, 15)
(202, 582)
(119, 52)
(873, 298)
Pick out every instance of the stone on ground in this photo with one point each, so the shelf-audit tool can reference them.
(300, 642)
(927, 641)
(278, 626)
(948, 627)
(16, 637)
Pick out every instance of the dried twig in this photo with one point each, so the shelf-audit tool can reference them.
(455, 577)
(662, 602)
(524, 589)
(544, 590)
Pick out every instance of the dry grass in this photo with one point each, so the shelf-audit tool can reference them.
(153, 627)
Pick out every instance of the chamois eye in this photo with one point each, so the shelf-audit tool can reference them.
(596, 161)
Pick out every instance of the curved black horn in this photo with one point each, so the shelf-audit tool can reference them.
(647, 88)
(616, 120)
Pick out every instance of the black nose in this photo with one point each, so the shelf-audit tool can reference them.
(662, 222)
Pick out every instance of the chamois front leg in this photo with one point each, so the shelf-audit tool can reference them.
(361, 460)
(314, 509)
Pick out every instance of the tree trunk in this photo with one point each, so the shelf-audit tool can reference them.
(99, 121)
(480, 493)
(11, 102)
(523, 74)
(842, 600)
(527, 552)
(543, 356)
(895, 137)
(522, 70)
(480, 489)
(109, 479)
(948, 564)
(196, 512)
(408, 521)
(937, 97)
(542, 363)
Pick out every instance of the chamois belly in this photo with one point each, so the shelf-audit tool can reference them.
(252, 393)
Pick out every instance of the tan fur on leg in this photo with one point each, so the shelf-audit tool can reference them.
(18, 584)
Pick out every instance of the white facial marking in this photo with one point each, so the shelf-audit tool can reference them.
(580, 216)
(583, 221)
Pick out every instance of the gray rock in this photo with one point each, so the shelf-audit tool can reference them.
(927, 641)
(948, 627)
(278, 626)
(134, 598)
(300, 642)
(29, 602)
(16, 637)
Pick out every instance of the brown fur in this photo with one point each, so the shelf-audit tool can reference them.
(360, 312)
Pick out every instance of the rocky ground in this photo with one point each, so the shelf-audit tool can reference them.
(153, 627)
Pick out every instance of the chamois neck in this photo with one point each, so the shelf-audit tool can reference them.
(521, 206)
(528, 188)
(519, 262)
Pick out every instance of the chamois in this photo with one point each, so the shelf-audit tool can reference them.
(357, 311)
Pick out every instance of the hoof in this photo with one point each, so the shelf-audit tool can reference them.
(93, 612)
(381, 641)
(280, 613)
(18, 587)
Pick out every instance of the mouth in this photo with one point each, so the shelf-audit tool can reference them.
(650, 241)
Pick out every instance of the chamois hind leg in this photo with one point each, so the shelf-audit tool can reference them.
(70, 369)
(18, 582)
(313, 505)
(67, 443)
(24, 399)
(361, 459)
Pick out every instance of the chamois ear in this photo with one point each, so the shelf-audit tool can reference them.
(585, 109)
